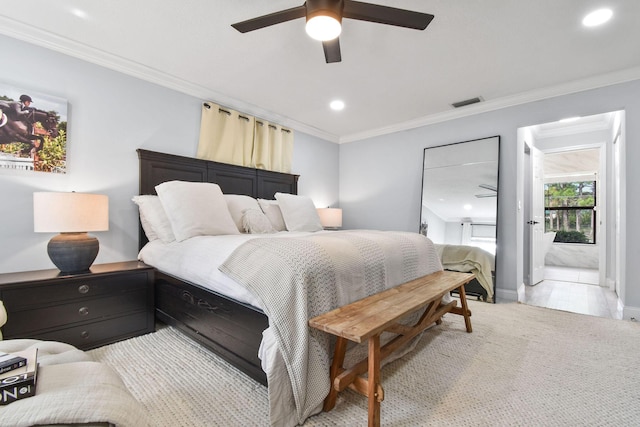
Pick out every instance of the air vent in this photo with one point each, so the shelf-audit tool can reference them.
(467, 102)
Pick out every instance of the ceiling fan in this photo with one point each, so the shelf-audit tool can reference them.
(324, 20)
(490, 188)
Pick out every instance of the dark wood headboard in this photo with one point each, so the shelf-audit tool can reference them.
(156, 168)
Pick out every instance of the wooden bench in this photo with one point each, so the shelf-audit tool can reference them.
(368, 318)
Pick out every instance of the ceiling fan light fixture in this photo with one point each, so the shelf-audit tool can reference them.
(323, 26)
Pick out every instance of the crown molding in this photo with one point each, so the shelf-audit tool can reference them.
(622, 76)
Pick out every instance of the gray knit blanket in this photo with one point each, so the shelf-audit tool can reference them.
(302, 277)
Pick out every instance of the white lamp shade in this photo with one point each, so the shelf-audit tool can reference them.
(330, 217)
(70, 212)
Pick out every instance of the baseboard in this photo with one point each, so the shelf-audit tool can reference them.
(509, 295)
(631, 313)
(520, 292)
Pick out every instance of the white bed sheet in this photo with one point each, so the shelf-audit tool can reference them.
(197, 259)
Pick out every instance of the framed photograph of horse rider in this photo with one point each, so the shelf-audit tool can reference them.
(33, 130)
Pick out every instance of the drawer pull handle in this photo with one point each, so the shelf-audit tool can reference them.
(83, 289)
(84, 334)
(83, 311)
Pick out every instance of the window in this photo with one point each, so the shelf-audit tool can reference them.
(570, 211)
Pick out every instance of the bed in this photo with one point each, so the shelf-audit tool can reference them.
(471, 259)
(231, 329)
(241, 326)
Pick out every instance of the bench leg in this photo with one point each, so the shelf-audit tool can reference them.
(336, 368)
(465, 309)
(373, 382)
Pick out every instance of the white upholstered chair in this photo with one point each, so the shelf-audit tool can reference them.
(3, 317)
(72, 390)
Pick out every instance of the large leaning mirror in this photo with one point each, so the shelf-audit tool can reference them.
(460, 209)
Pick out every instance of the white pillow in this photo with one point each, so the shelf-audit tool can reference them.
(237, 204)
(154, 220)
(254, 221)
(273, 212)
(195, 209)
(299, 212)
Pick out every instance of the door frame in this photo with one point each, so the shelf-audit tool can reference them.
(536, 221)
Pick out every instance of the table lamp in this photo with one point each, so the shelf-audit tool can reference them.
(330, 218)
(72, 215)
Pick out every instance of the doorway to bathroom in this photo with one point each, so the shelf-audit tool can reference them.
(570, 205)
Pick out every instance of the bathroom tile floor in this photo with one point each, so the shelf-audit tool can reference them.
(574, 290)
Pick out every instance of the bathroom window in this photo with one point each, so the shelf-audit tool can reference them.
(570, 211)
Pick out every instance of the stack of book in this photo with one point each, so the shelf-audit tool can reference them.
(18, 373)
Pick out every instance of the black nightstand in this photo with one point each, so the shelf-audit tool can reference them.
(110, 303)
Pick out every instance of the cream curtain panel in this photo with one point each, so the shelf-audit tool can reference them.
(272, 147)
(228, 136)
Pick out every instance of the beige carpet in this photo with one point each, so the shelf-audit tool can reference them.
(522, 366)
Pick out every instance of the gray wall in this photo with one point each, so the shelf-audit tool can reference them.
(380, 178)
(110, 116)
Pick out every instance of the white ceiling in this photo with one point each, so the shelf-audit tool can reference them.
(572, 165)
(390, 78)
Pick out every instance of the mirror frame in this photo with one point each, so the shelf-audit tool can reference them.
(424, 230)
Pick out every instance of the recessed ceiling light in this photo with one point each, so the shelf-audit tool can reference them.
(79, 13)
(467, 207)
(597, 17)
(337, 105)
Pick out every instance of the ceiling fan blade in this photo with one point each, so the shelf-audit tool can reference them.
(488, 187)
(386, 15)
(332, 50)
(271, 19)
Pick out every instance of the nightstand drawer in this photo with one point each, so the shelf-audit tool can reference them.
(23, 322)
(100, 333)
(70, 289)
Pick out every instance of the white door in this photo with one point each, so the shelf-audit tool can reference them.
(536, 224)
(616, 218)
